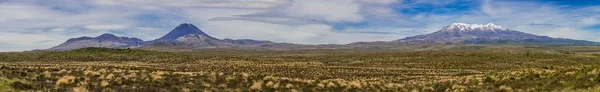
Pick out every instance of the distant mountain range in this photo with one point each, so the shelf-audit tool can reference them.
(184, 36)
(104, 40)
(188, 36)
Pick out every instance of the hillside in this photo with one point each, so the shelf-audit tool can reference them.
(94, 54)
(104, 40)
(462, 33)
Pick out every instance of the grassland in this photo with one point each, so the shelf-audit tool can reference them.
(451, 68)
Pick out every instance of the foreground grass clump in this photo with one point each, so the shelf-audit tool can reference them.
(5, 83)
(13, 85)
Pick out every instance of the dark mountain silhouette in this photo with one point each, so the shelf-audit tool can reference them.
(104, 40)
(189, 36)
(183, 30)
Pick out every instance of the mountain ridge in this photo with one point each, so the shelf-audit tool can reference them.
(104, 40)
(462, 33)
(473, 27)
(183, 30)
(188, 36)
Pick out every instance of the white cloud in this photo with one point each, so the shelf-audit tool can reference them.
(541, 18)
(105, 27)
(274, 20)
(57, 30)
(522, 12)
(23, 12)
(589, 21)
(304, 34)
(299, 12)
(194, 13)
(153, 4)
(379, 12)
(325, 10)
(10, 41)
(49, 23)
(572, 33)
(265, 31)
(384, 2)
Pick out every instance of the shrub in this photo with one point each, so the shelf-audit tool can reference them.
(21, 86)
(65, 80)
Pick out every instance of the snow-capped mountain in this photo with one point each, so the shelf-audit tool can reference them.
(188, 36)
(462, 33)
(104, 40)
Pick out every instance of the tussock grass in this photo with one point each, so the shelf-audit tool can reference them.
(470, 68)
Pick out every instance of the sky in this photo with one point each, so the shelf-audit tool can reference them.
(41, 24)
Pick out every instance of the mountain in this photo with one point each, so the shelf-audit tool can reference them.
(462, 33)
(104, 40)
(188, 36)
(185, 30)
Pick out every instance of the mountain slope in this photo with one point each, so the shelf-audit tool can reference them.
(461, 33)
(188, 36)
(104, 40)
(184, 30)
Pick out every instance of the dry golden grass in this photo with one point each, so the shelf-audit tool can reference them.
(494, 69)
(65, 80)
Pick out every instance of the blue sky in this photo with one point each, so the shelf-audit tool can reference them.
(40, 24)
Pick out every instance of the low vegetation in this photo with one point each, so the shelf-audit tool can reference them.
(481, 68)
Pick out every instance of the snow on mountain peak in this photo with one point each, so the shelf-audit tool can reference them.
(473, 27)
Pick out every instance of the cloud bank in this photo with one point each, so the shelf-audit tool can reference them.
(40, 24)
